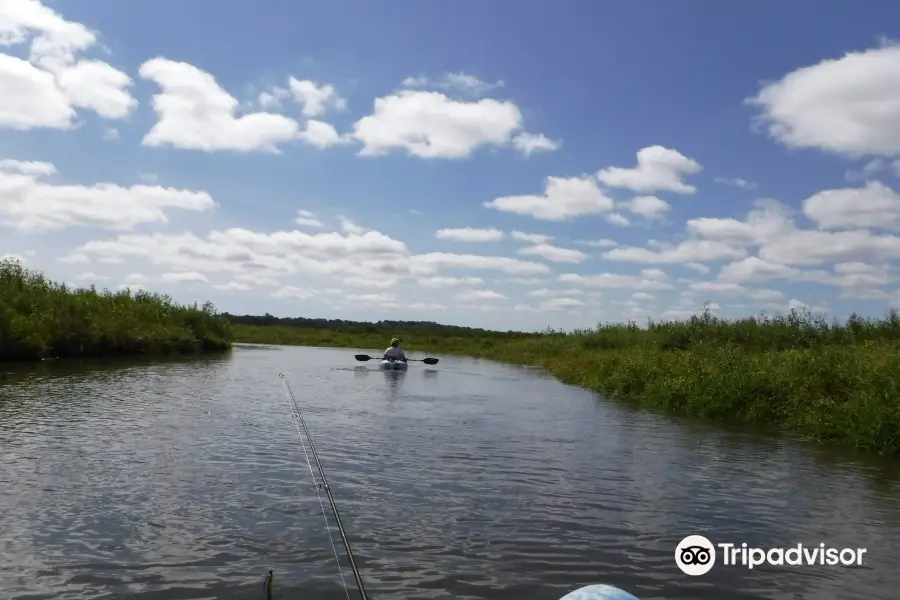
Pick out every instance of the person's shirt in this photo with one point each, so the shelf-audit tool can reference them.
(394, 353)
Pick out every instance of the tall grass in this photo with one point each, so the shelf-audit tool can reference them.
(799, 372)
(40, 319)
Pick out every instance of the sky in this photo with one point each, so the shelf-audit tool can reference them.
(508, 165)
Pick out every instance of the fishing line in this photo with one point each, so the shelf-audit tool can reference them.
(295, 408)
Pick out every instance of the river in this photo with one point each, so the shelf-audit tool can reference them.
(186, 479)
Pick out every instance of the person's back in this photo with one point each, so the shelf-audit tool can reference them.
(394, 351)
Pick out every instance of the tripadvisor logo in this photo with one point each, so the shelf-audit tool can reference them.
(696, 555)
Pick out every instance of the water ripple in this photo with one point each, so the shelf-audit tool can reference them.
(187, 480)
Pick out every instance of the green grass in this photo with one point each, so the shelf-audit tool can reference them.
(42, 319)
(829, 381)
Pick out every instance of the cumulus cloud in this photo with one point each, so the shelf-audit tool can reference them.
(555, 253)
(194, 112)
(844, 105)
(563, 199)
(322, 135)
(45, 90)
(649, 207)
(315, 99)
(470, 234)
(28, 201)
(873, 206)
(429, 124)
(658, 169)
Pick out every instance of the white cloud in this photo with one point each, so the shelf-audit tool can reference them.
(45, 90)
(76, 258)
(469, 234)
(529, 143)
(348, 226)
(555, 253)
(769, 220)
(184, 277)
(195, 113)
(736, 182)
(688, 251)
(315, 99)
(440, 281)
(698, 267)
(431, 125)
(561, 304)
(233, 286)
(307, 219)
(658, 169)
(91, 277)
(617, 219)
(28, 202)
(754, 268)
(424, 306)
(291, 291)
(649, 207)
(873, 206)
(26, 167)
(563, 199)
(533, 238)
(648, 279)
(846, 105)
(322, 135)
(867, 171)
(512, 266)
(459, 82)
(36, 102)
(601, 243)
(273, 98)
(479, 295)
(817, 247)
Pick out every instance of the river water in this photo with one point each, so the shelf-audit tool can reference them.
(187, 480)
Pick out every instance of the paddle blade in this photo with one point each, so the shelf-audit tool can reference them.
(362, 357)
(430, 361)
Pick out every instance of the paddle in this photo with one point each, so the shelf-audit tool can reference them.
(427, 361)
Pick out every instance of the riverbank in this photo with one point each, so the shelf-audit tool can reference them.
(828, 381)
(42, 319)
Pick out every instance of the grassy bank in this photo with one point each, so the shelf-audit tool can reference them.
(829, 381)
(41, 319)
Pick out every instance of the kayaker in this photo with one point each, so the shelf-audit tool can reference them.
(394, 352)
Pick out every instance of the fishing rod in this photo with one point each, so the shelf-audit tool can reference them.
(337, 517)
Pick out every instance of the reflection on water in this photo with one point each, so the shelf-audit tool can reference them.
(185, 479)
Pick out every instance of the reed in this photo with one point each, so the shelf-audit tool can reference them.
(41, 319)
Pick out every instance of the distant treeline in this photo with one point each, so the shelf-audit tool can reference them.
(368, 327)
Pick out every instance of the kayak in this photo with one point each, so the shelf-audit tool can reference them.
(393, 365)
(599, 591)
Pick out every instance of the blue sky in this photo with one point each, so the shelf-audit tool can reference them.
(768, 138)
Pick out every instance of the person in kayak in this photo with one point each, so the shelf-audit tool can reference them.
(394, 352)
